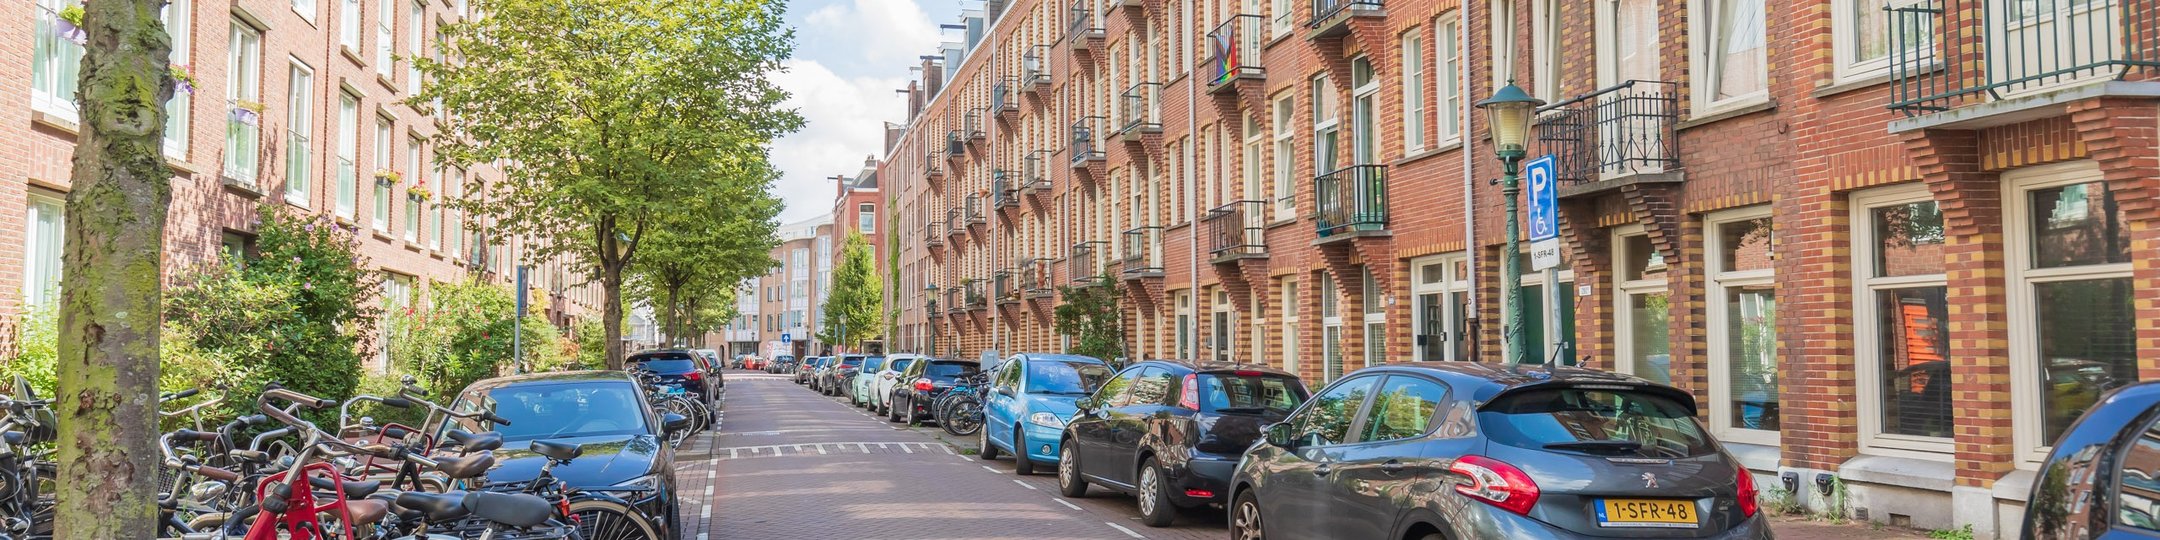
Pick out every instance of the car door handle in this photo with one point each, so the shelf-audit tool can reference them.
(1322, 470)
(1391, 467)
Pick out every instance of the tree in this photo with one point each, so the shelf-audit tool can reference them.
(607, 116)
(855, 307)
(693, 258)
(1090, 316)
(111, 290)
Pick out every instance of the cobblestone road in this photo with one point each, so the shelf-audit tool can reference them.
(787, 463)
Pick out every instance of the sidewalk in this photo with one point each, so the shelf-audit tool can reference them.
(1799, 528)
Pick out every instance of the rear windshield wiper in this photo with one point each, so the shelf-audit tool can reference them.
(1596, 446)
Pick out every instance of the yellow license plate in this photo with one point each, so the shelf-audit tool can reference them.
(1661, 513)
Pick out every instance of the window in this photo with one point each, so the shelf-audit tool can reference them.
(1283, 18)
(1628, 43)
(384, 13)
(1545, 51)
(1325, 130)
(1289, 303)
(348, 151)
(866, 218)
(382, 165)
(1441, 288)
(1365, 87)
(1327, 418)
(1862, 30)
(415, 29)
(349, 24)
(243, 94)
(1184, 324)
(1403, 409)
(1449, 77)
(453, 226)
(1375, 318)
(1331, 329)
(1503, 42)
(56, 63)
(47, 220)
(179, 24)
(299, 115)
(435, 215)
(1731, 60)
(1743, 326)
(1413, 90)
(2071, 296)
(1645, 326)
(1901, 310)
(1285, 165)
(412, 200)
(306, 9)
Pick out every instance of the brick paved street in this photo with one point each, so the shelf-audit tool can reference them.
(787, 463)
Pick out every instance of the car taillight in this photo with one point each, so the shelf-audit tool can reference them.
(1748, 506)
(1190, 398)
(922, 385)
(1497, 483)
(693, 375)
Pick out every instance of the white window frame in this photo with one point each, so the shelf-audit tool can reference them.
(1502, 45)
(413, 173)
(1413, 89)
(866, 218)
(1450, 283)
(385, 138)
(1844, 27)
(1324, 100)
(1284, 158)
(41, 254)
(415, 32)
(1375, 320)
(2025, 383)
(349, 25)
(1288, 288)
(1624, 292)
(1254, 154)
(1545, 34)
(1330, 323)
(1702, 72)
(347, 193)
(1719, 279)
(1867, 315)
(385, 37)
(179, 17)
(1283, 19)
(61, 60)
(306, 10)
(299, 133)
(1447, 96)
(243, 65)
(1365, 115)
(1183, 320)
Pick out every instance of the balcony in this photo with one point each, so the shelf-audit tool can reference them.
(1610, 138)
(1948, 54)
(1086, 141)
(1237, 230)
(932, 235)
(1005, 287)
(975, 209)
(973, 295)
(954, 146)
(955, 301)
(1086, 31)
(931, 165)
(1088, 262)
(1034, 176)
(973, 124)
(1234, 51)
(1035, 68)
(1351, 199)
(1003, 193)
(1142, 252)
(953, 224)
(1002, 98)
(1035, 278)
(1332, 17)
(1139, 112)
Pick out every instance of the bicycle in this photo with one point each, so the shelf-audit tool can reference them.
(959, 409)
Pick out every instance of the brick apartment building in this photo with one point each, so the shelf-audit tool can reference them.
(1883, 241)
(295, 102)
(778, 312)
(859, 201)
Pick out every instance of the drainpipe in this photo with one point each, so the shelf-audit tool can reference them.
(1192, 212)
(1469, 163)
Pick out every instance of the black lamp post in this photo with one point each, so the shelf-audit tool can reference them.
(930, 302)
(1509, 113)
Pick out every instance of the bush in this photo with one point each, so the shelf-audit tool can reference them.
(37, 339)
(591, 343)
(465, 336)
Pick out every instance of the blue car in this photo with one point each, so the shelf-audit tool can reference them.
(1032, 396)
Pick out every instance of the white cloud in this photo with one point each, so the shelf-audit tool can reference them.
(881, 35)
(854, 55)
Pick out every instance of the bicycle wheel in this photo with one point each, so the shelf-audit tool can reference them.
(963, 418)
(606, 520)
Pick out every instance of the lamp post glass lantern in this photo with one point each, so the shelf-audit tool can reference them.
(1508, 113)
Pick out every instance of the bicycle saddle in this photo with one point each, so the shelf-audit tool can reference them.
(434, 507)
(513, 509)
(354, 489)
(558, 451)
(462, 467)
(366, 511)
(475, 442)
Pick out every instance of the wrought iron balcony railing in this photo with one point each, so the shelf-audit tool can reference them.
(1088, 261)
(1002, 97)
(953, 224)
(1325, 12)
(1035, 66)
(1084, 24)
(1034, 176)
(1087, 140)
(974, 293)
(954, 147)
(932, 165)
(1004, 287)
(1624, 129)
(974, 209)
(1234, 49)
(1002, 191)
(1140, 112)
(1035, 276)
(1142, 253)
(932, 235)
(955, 300)
(1238, 228)
(1945, 54)
(973, 123)
(1353, 198)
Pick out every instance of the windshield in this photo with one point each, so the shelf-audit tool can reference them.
(902, 364)
(1258, 392)
(1605, 422)
(950, 370)
(664, 366)
(1060, 377)
(568, 410)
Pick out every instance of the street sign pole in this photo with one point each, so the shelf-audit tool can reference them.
(517, 325)
(1545, 242)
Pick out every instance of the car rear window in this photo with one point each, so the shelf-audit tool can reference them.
(871, 365)
(901, 364)
(1064, 377)
(851, 361)
(1595, 421)
(1227, 392)
(950, 369)
(664, 364)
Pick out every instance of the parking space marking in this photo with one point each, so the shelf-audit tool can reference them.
(992, 471)
(1122, 529)
(1024, 484)
(1075, 507)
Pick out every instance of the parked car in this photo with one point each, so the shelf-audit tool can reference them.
(709, 362)
(778, 362)
(809, 367)
(858, 385)
(882, 384)
(1171, 432)
(754, 363)
(841, 374)
(1031, 398)
(2100, 480)
(924, 381)
(623, 440)
(1359, 459)
(674, 367)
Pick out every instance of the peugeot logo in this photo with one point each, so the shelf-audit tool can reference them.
(1649, 480)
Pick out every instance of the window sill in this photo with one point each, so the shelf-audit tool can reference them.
(1282, 223)
(386, 83)
(1755, 456)
(245, 189)
(1928, 474)
(1727, 114)
(1850, 84)
(382, 235)
(349, 54)
(412, 247)
(1428, 152)
(181, 167)
(55, 121)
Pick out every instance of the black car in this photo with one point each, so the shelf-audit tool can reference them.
(2102, 480)
(677, 367)
(838, 378)
(921, 385)
(624, 441)
(1171, 432)
(1470, 450)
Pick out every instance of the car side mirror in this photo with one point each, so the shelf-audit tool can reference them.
(1006, 391)
(1278, 435)
(671, 422)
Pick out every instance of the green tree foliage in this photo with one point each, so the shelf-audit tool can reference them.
(1090, 316)
(612, 114)
(690, 264)
(462, 333)
(590, 344)
(855, 306)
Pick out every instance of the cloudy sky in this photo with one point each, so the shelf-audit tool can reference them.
(850, 57)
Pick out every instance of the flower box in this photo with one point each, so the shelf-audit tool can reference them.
(70, 25)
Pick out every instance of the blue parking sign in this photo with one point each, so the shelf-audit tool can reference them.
(1544, 198)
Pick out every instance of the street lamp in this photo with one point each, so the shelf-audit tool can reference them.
(1508, 114)
(930, 304)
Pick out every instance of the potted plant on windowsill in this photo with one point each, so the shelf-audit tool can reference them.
(247, 112)
(183, 79)
(418, 193)
(387, 177)
(69, 24)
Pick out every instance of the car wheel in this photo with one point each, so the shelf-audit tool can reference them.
(1068, 470)
(893, 411)
(1155, 507)
(1021, 464)
(674, 519)
(983, 448)
(1245, 518)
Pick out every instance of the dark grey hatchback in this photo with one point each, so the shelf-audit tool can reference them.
(1453, 450)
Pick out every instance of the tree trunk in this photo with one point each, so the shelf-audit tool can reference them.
(674, 311)
(612, 312)
(110, 292)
